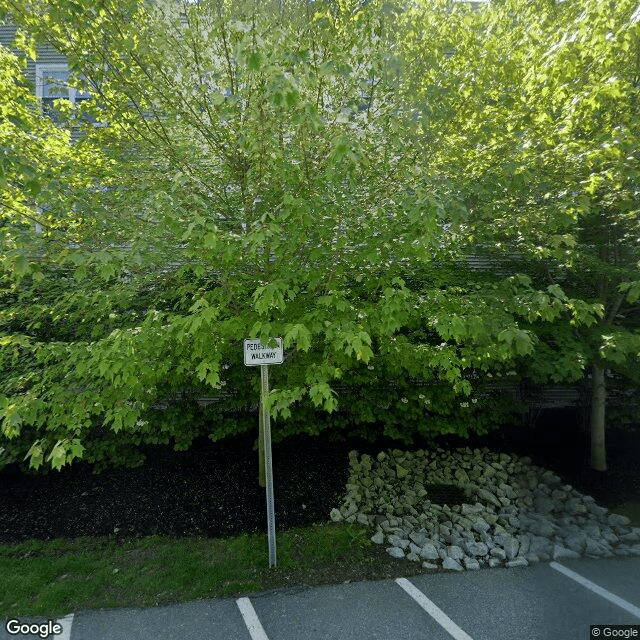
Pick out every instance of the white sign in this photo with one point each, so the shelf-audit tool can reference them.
(255, 354)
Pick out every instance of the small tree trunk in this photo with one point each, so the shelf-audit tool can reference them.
(598, 403)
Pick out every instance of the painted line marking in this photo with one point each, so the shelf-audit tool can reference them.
(251, 619)
(67, 623)
(611, 597)
(437, 614)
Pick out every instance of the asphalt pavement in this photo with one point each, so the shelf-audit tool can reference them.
(545, 601)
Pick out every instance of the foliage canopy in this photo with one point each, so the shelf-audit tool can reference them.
(319, 171)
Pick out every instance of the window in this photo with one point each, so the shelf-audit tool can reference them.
(52, 83)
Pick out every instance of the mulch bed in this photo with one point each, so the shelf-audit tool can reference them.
(212, 490)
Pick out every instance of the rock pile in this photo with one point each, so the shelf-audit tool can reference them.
(513, 513)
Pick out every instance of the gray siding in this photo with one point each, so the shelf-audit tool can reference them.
(45, 53)
(7, 33)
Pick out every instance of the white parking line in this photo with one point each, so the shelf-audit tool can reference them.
(251, 619)
(627, 606)
(437, 614)
(67, 623)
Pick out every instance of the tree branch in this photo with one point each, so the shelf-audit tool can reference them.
(614, 309)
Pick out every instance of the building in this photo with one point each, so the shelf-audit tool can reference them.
(49, 73)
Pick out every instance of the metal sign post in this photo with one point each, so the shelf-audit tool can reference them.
(268, 467)
(256, 354)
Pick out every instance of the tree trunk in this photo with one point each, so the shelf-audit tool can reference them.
(598, 403)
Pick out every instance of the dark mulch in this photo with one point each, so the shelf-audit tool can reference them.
(212, 489)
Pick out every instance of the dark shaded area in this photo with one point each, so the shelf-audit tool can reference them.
(212, 489)
(445, 494)
(560, 441)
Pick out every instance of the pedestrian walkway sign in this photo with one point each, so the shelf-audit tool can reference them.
(257, 354)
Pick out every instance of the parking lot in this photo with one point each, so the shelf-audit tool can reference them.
(547, 601)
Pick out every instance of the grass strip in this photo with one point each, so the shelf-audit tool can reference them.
(56, 577)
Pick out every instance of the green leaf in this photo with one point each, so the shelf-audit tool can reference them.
(321, 394)
(523, 342)
(557, 291)
(299, 334)
(58, 455)
(254, 61)
(35, 455)
(632, 289)
(21, 265)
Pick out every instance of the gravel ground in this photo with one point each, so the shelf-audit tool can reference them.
(212, 489)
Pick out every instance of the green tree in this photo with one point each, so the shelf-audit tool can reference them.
(38, 163)
(259, 176)
(544, 132)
